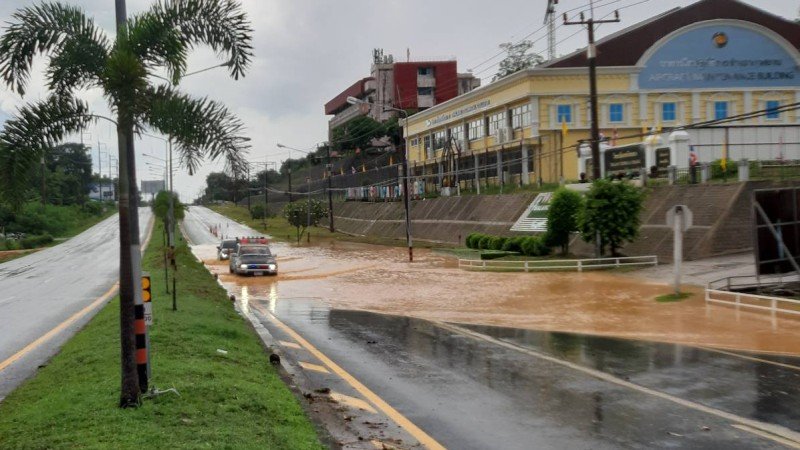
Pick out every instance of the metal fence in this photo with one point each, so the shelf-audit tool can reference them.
(578, 265)
(752, 301)
(749, 292)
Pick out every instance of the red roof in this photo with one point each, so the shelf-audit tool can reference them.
(340, 101)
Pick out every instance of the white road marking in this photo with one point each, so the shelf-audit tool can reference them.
(767, 429)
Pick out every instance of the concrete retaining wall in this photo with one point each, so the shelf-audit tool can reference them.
(444, 219)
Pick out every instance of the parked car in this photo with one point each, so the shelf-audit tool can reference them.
(253, 257)
(226, 248)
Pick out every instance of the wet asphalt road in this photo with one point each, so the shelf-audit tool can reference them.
(42, 290)
(479, 387)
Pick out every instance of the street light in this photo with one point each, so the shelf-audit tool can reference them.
(404, 175)
(289, 167)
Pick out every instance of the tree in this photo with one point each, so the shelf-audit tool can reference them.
(612, 210)
(517, 58)
(297, 215)
(161, 206)
(562, 218)
(81, 56)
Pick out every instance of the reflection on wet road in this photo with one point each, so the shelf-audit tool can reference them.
(512, 387)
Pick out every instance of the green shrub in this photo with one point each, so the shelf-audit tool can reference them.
(535, 246)
(9, 244)
(562, 218)
(513, 244)
(731, 171)
(473, 239)
(36, 241)
(257, 212)
(94, 208)
(484, 242)
(496, 242)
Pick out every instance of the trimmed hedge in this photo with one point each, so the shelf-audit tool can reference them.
(527, 245)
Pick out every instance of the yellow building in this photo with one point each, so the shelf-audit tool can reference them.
(712, 61)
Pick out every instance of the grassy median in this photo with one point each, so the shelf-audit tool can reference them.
(232, 400)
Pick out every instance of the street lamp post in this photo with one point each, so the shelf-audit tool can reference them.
(404, 175)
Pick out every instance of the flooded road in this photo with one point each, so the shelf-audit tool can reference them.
(356, 276)
(507, 360)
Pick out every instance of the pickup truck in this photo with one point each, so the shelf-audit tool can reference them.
(253, 256)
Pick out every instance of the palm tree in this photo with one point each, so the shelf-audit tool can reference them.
(82, 56)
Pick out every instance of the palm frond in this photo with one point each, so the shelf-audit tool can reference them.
(36, 128)
(157, 45)
(200, 128)
(49, 28)
(220, 24)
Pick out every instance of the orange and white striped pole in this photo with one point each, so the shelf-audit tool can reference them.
(143, 316)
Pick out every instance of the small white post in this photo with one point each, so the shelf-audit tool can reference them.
(678, 248)
(580, 266)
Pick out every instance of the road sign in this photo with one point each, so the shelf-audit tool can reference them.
(685, 214)
(147, 297)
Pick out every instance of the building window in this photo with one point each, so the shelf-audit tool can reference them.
(475, 129)
(414, 142)
(428, 148)
(496, 121)
(521, 116)
(425, 71)
(564, 114)
(425, 91)
(439, 139)
(668, 111)
(720, 110)
(457, 133)
(615, 113)
(772, 110)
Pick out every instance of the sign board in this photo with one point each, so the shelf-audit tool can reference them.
(628, 158)
(147, 298)
(150, 187)
(535, 216)
(777, 231)
(686, 216)
(720, 54)
(662, 161)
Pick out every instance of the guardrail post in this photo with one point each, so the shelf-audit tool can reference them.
(526, 266)
(738, 300)
(580, 266)
(616, 263)
(774, 306)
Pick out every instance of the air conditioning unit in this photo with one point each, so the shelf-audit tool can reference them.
(504, 135)
(509, 134)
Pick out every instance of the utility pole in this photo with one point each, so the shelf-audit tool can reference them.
(550, 21)
(44, 182)
(591, 56)
(249, 206)
(308, 209)
(290, 180)
(329, 168)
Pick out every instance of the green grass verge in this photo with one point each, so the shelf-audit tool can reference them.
(670, 298)
(235, 400)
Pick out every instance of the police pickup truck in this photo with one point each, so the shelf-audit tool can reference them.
(253, 256)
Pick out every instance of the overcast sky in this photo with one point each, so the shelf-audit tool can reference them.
(307, 51)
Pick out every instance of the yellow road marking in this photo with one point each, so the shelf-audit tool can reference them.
(313, 367)
(74, 318)
(387, 409)
(766, 435)
(353, 402)
(752, 358)
(749, 424)
(289, 344)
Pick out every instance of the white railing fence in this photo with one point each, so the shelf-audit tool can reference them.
(753, 301)
(557, 264)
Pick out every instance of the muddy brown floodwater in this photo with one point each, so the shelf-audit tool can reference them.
(379, 279)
